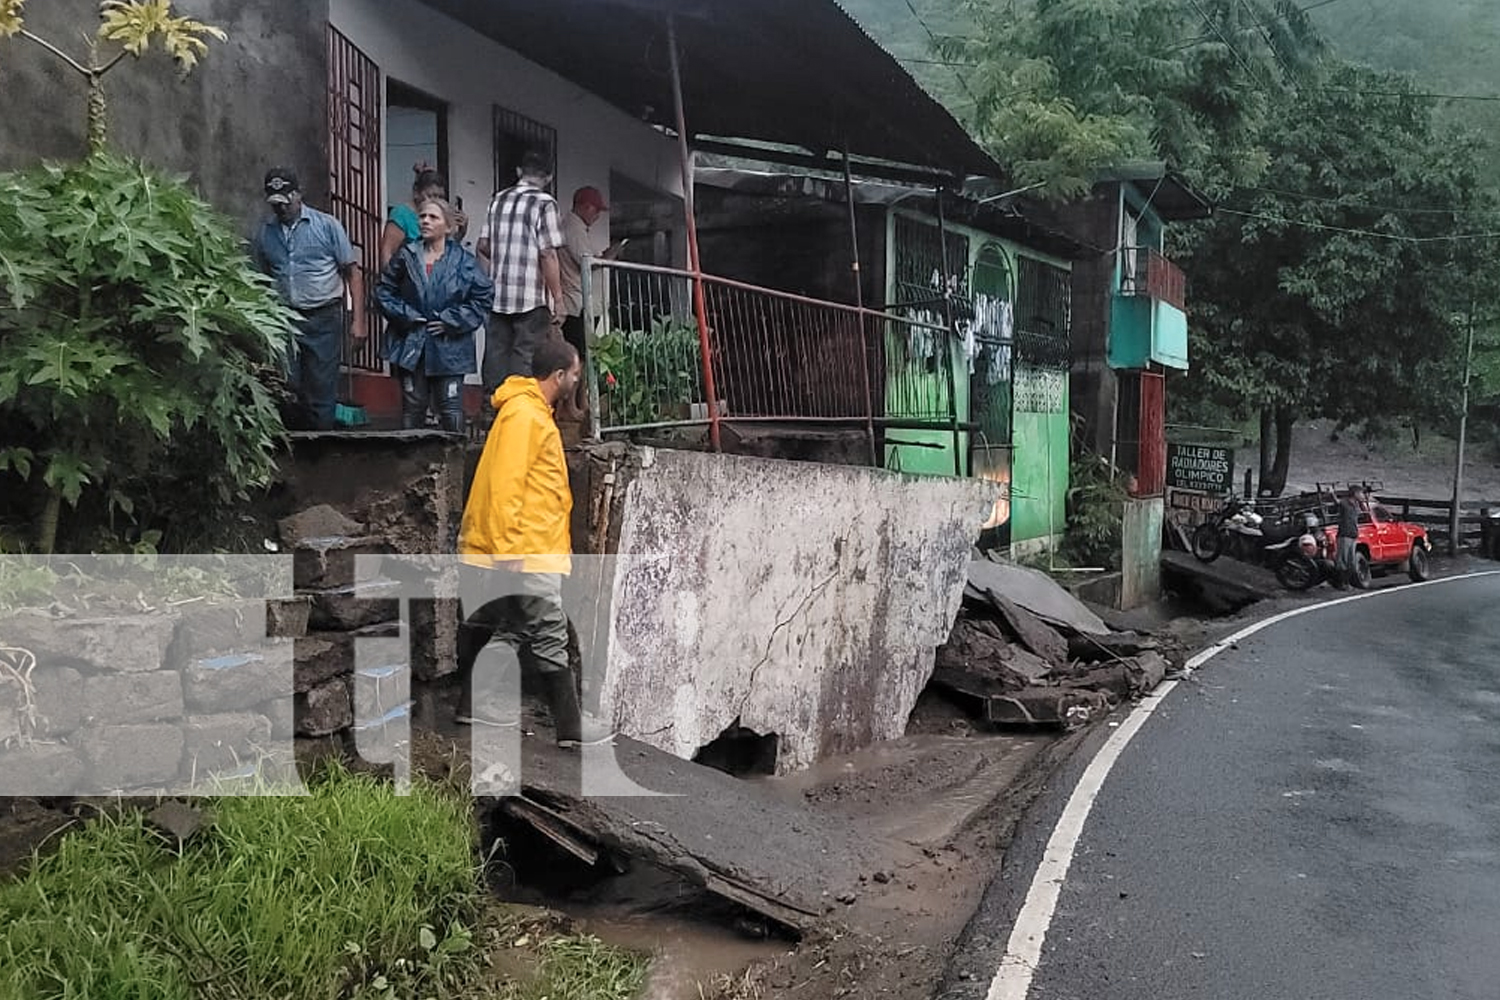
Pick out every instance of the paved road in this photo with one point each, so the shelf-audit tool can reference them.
(1315, 815)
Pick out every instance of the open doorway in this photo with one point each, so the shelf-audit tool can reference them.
(416, 139)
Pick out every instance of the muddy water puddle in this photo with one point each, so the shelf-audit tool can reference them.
(685, 955)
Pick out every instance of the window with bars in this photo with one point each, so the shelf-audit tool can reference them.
(515, 135)
(1044, 296)
(919, 266)
(354, 154)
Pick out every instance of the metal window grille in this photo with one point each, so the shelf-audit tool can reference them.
(515, 135)
(919, 267)
(1043, 314)
(354, 151)
(990, 384)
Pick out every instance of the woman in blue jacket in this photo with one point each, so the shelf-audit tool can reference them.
(435, 295)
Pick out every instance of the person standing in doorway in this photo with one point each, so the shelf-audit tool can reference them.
(518, 246)
(515, 542)
(435, 295)
(585, 235)
(308, 254)
(402, 226)
(1348, 537)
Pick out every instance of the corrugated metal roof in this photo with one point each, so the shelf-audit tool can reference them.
(1010, 219)
(792, 72)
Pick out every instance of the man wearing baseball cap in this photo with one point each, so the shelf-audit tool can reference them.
(308, 254)
(585, 234)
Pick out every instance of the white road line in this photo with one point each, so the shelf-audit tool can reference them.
(1023, 952)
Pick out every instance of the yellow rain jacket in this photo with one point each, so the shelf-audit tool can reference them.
(520, 504)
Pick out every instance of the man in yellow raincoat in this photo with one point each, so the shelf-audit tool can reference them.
(515, 541)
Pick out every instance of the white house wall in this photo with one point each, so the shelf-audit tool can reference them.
(418, 46)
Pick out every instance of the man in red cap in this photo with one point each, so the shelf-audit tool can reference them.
(585, 234)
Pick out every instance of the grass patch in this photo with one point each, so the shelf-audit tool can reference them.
(349, 893)
(316, 896)
(583, 968)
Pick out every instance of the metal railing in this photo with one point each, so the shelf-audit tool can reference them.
(774, 356)
(1146, 272)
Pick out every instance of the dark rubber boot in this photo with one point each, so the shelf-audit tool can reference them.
(567, 713)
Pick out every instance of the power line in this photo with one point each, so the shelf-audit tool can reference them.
(932, 37)
(1404, 93)
(1215, 26)
(1368, 206)
(1371, 233)
(1262, 24)
(1270, 42)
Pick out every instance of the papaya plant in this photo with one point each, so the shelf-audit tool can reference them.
(139, 348)
(126, 28)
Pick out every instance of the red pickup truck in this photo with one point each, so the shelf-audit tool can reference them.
(1386, 543)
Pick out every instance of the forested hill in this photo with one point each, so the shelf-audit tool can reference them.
(1451, 46)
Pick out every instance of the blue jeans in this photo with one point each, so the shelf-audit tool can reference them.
(1345, 560)
(443, 392)
(313, 374)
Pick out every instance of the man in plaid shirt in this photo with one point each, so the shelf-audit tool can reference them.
(518, 246)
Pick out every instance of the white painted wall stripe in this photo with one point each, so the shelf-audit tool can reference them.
(1023, 952)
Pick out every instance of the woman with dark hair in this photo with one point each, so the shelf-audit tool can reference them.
(401, 227)
(435, 295)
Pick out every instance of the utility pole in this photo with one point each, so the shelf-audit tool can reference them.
(1455, 518)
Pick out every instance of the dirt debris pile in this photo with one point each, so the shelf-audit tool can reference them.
(1013, 664)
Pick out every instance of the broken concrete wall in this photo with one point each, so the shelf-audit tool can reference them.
(801, 600)
(1140, 557)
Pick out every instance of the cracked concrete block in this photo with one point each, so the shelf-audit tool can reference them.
(129, 757)
(59, 710)
(336, 561)
(115, 699)
(322, 656)
(225, 743)
(121, 644)
(326, 709)
(345, 609)
(237, 681)
(43, 770)
(288, 617)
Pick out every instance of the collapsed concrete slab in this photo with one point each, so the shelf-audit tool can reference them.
(786, 598)
(737, 840)
(1035, 591)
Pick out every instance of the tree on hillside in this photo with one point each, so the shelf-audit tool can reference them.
(1332, 286)
(1067, 87)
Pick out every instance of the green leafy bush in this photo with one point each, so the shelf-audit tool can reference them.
(1096, 511)
(139, 343)
(648, 376)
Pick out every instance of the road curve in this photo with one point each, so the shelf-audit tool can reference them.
(1316, 814)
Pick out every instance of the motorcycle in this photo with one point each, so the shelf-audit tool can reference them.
(1310, 562)
(1236, 519)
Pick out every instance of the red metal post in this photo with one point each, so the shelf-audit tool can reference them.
(695, 265)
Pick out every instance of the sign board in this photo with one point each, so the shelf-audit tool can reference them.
(1200, 467)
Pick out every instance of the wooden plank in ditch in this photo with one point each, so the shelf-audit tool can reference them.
(554, 827)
